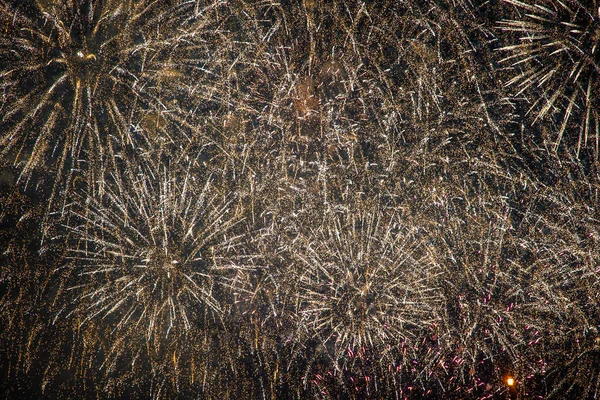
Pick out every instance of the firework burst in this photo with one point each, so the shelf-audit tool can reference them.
(364, 283)
(558, 56)
(152, 258)
(82, 80)
(562, 234)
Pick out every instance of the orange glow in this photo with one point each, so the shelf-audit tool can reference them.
(510, 381)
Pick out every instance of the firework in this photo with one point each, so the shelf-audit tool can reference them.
(561, 235)
(152, 259)
(364, 283)
(354, 221)
(487, 325)
(558, 63)
(76, 76)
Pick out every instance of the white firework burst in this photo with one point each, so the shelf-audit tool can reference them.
(152, 257)
(82, 80)
(558, 54)
(365, 282)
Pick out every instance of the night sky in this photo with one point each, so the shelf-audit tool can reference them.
(212, 199)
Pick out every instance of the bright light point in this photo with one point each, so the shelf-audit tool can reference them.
(510, 381)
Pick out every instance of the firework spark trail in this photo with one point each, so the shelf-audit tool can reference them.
(557, 53)
(83, 80)
(561, 234)
(351, 149)
(365, 282)
(152, 256)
